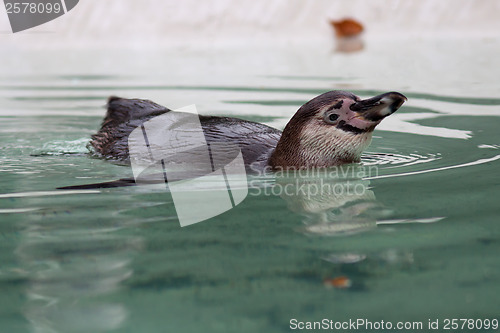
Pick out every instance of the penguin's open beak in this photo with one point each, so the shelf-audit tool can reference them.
(379, 107)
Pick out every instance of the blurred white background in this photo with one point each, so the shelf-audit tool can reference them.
(132, 23)
(137, 48)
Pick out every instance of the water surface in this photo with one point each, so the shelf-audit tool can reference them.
(421, 243)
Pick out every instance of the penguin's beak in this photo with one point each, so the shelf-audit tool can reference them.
(377, 108)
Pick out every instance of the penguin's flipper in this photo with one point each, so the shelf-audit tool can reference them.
(115, 183)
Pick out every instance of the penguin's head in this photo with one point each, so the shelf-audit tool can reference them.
(331, 129)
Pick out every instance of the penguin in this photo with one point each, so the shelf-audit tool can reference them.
(332, 129)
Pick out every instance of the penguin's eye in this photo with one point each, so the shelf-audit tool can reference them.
(331, 118)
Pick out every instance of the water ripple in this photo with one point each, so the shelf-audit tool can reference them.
(476, 162)
(398, 160)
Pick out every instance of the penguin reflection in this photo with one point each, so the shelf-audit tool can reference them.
(333, 201)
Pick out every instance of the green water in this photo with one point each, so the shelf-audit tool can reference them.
(422, 243)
